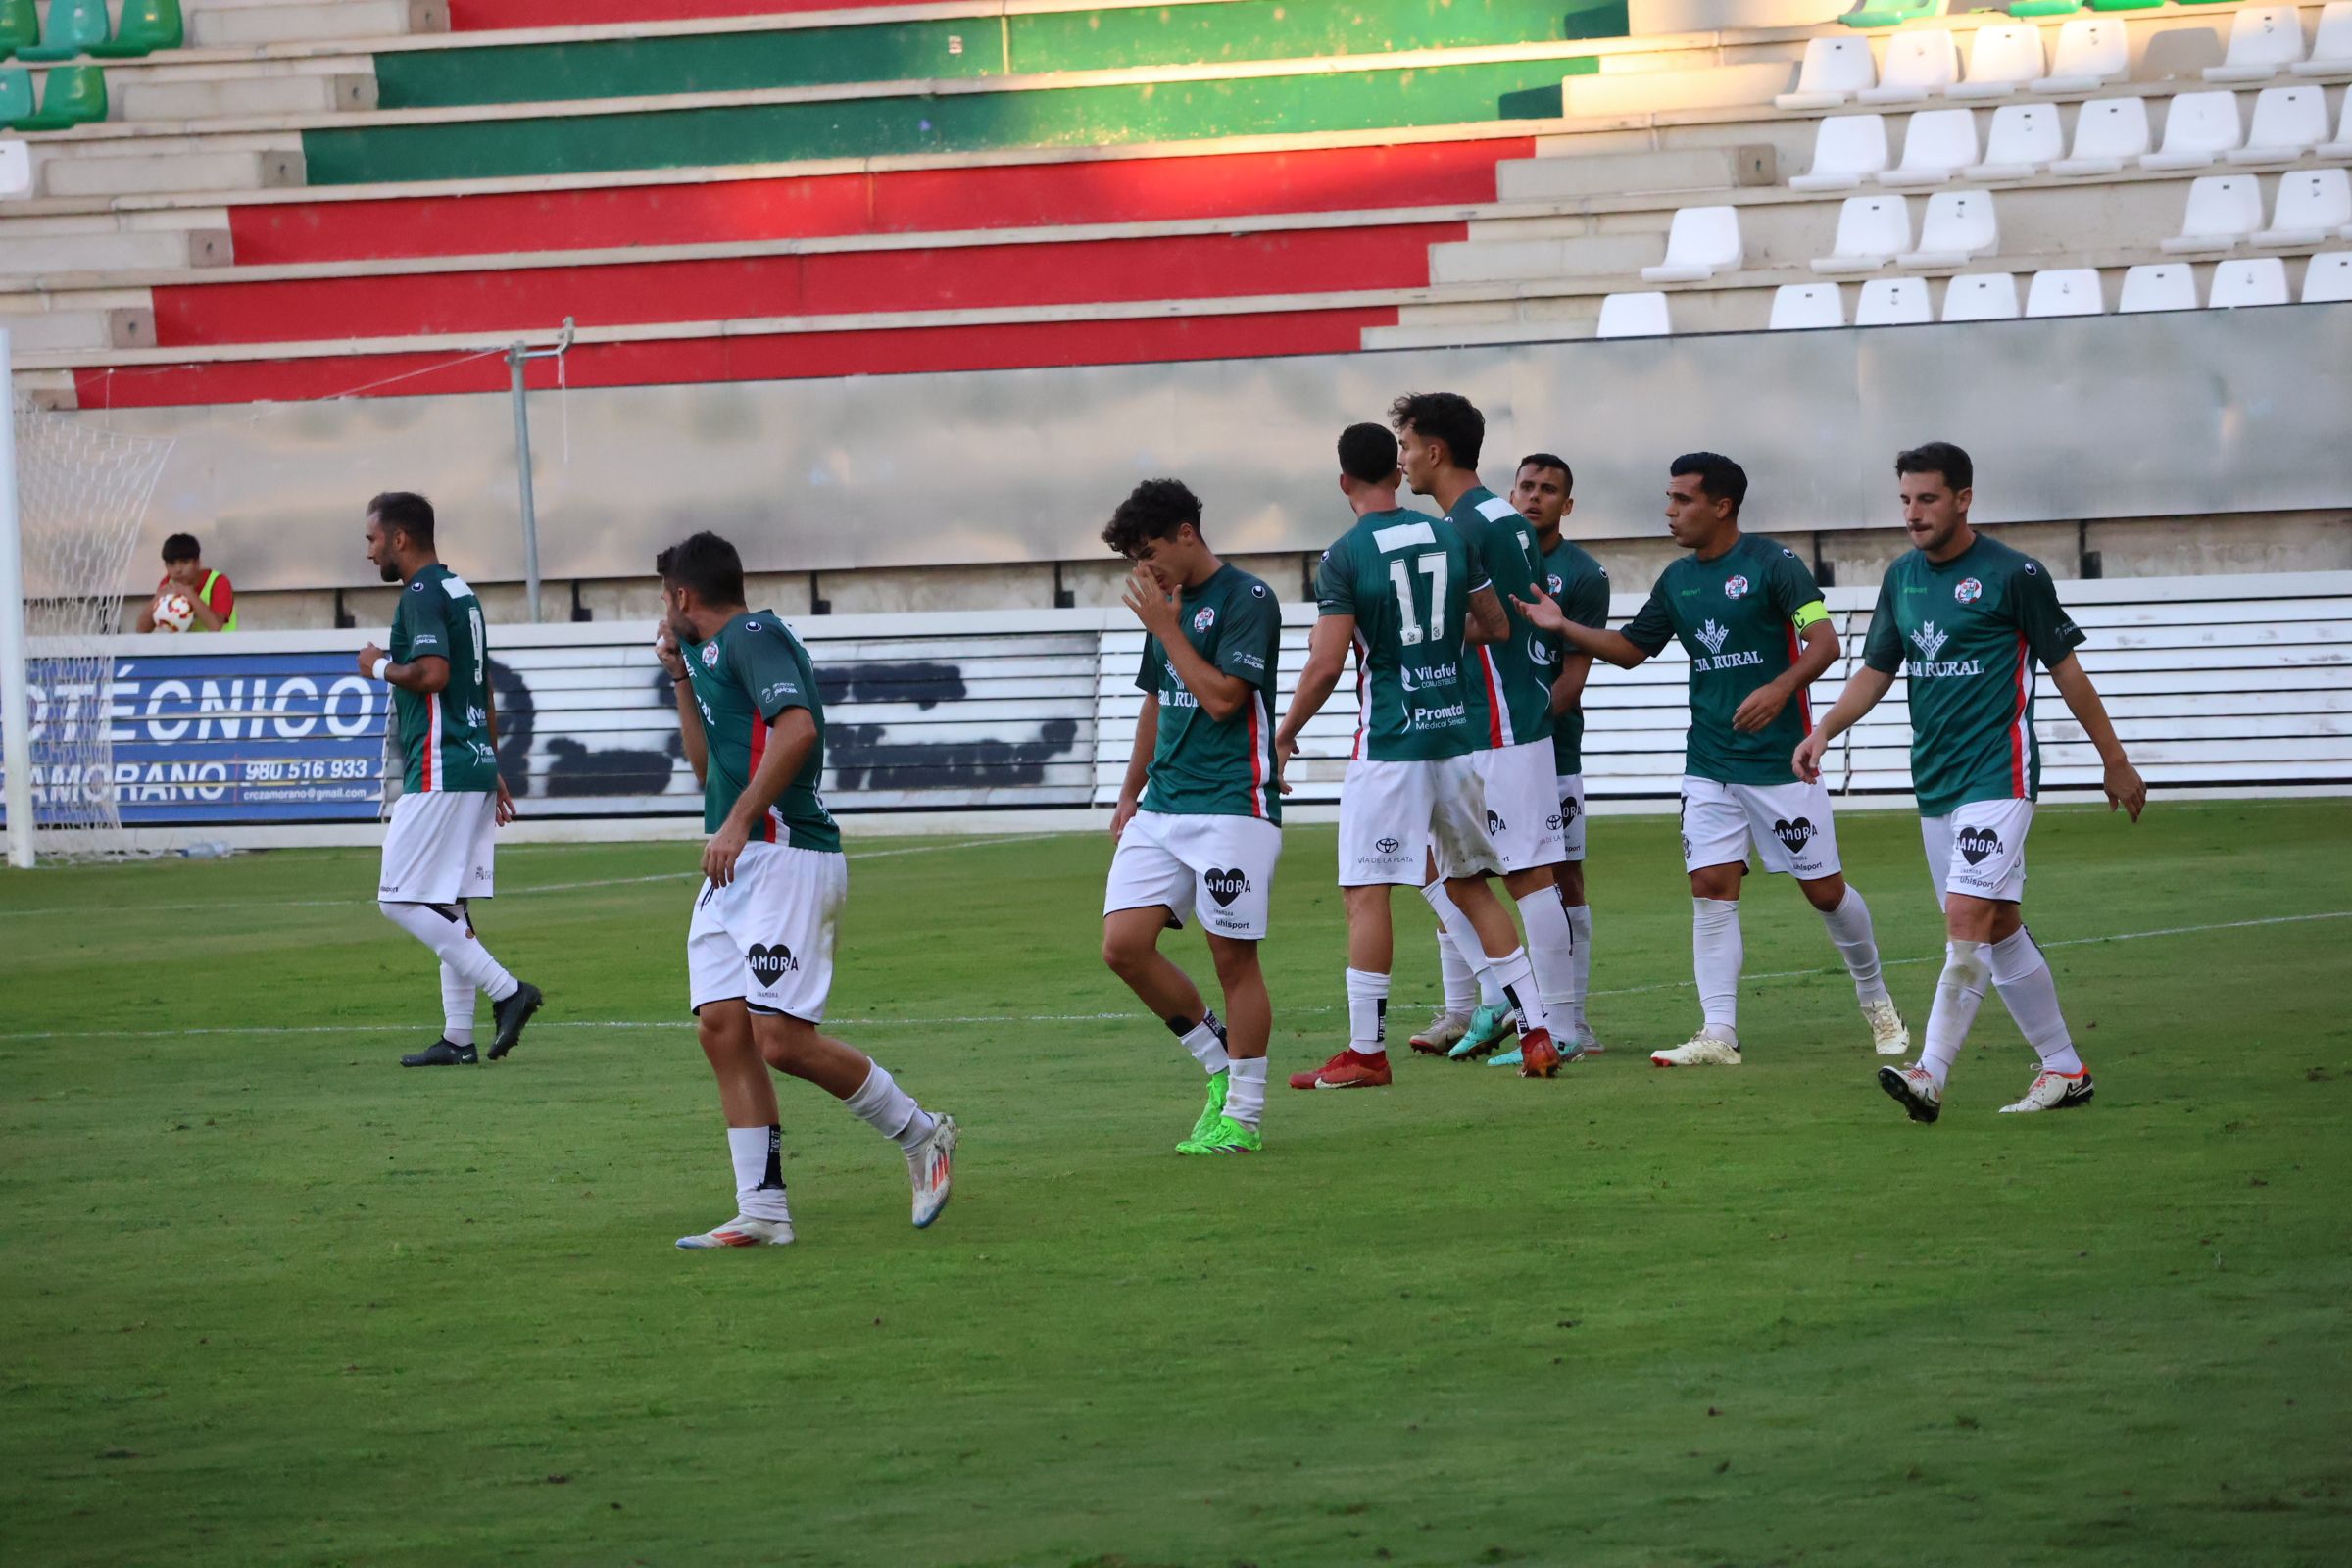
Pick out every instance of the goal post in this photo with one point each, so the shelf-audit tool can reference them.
(16, 708)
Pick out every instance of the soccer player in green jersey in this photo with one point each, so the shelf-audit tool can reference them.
(1758, 635)
(439, 847)
(1506, 691)
(1404, 591)
(759, 951)
(1199, 824)
(1965, 616)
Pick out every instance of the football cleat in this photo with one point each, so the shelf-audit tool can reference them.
(1489, 1028)
(1914, 1089)
(440, 1053)
(1888, 1034)
(1346, 1070)
(1440, 1034)
(1540, 1057)
(1212, 1113)
(1701, 1049)
(1587, 1043)
(742, 1231)
(1224, 1136)
(510, 1015)
(931, 1168)
(2053, 1091)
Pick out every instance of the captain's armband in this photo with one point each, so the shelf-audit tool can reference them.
(1808, 614)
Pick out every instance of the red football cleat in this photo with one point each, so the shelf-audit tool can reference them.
(1539, 1058)
(1346, 1070)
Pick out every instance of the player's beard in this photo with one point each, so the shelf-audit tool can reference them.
(388, 574)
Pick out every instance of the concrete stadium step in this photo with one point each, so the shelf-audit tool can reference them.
(188, 97)
(206, 167)
(105, 322)
(215, 23)
(1636, 173)
(30, 246)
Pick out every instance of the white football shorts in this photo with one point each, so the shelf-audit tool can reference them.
(1979, 850)
(1522, 807)
(1791, 824)
(768, 936)
(1396, 815)
(439, 846)
(1219, 868)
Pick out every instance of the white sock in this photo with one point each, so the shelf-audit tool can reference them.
(1461, 981)
(1246, 1091)
(890, 1110)
(758, 1155)
(1959, 992)
(1520, 992)
(1367, 1015)
(1552, 949)
(443, 928)
(457, 1007)
(1466, 945)
(1206, 1040)
(1580, 926)
(1716, 954)
(1857, 944)
(2030, 993)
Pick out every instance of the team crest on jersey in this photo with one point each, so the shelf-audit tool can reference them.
(1714, 633)
(1207, 618)
(1969, 591)
(1555, 583)
(710, 656)
(1929, 639)
(1735, 588)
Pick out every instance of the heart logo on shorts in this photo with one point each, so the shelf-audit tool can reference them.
(1225, 886)
(1793, 834)
(1976, 842)
(1495, 823)
(1570, 810)
(771, 964)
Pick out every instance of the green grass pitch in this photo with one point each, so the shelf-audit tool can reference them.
(269, 1298)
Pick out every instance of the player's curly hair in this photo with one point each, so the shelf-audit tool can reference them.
(1154, 509)
(1446, 416)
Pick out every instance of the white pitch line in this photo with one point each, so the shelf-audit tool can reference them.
(1089, 1017)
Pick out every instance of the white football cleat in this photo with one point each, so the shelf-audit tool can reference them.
(931, 1168)
(1701, 1049)
(1914, 1089)
(742, 1231)
(1587, 1043)
(1441, 1035)
(2053, 1091)
(1888, 1032)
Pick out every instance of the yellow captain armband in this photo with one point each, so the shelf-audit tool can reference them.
(1808, 615)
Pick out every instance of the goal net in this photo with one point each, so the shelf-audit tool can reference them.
(81, 492)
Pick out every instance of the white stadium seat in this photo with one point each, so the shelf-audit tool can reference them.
(2000, 60)
(1982, 297)
(15, 170)
(1959, 225)
(2255, 280)
(2332, 50)
(2198, 128)
(1847, 149)
(1634, 316)
(1894, 302)
(2264, 40)
(1919, 64)
(1937, 144)
(1802, 307)
(2111, 132)
(1703, 241)
(2067, 291)
(2288, 123)
(2341, 147)
(2329, 278)
(2091, 52)
(2163, 286)
(2024, 141)
(1834, 69)
(1871, 230)
(2223, 210)
(2313, 206)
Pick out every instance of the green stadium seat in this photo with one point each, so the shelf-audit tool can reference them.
(1892, 13)
(15, 95)
(2126, 5)
(19, 24)
(74, 96)
(147, 25)
(73, 26)
(2026, 10)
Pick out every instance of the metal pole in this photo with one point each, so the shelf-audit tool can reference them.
(16, 707)
(516, 360)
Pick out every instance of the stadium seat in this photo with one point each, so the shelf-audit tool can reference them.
(2159, 286)
(1834, 69)
(2066, 291)
(2223, 210)
(2024, 141)
(1803, 307)
(2199, 128)
(1982, 297)
(15, 170)
(2341, 147)
(2000, 60)
(2329, 279)
(1937, 144)
(2313, 206)
(1892, 13)
(2044, 8)
(2253, 280)
(1871, 230)
(1919, 64)
(74, 95)
(2264, 40)
(2332, 50)
(19, 24)
(2111, 132)
(1960, 224)
(1702, 241)
(2091, 54)
(146, 26)
(1894, 302)
(2126, 5)
(73, 26)
(1634, 316)
(15, 96)
(2288, 123)
(1847, 149)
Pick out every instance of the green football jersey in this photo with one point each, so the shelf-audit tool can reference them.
(1201, 765)
(1407, 578)
(1968, 631)
(1734, 615)
(1582, 586)
(1507, 685)
(445, 734)
(744, 679)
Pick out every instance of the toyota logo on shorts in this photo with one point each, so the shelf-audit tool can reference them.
(1388, 846)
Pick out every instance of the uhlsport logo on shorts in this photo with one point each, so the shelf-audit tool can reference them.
(1795, 834)
(1735, 587)
(1225, 886)
(1968, 590)
(1205, 619)
(1976, 842)
(771, 964)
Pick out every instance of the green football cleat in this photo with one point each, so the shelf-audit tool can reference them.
(1223, 1136)
(1489, 1028)
(1213, 1111)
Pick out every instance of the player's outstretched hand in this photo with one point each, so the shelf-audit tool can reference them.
(1807, 758)
(504, 813)
(1124, 814)
(2127, 791)
(666, 649)
(1153, 604)
(367, 657)
(1543, 612)
(723, 851)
